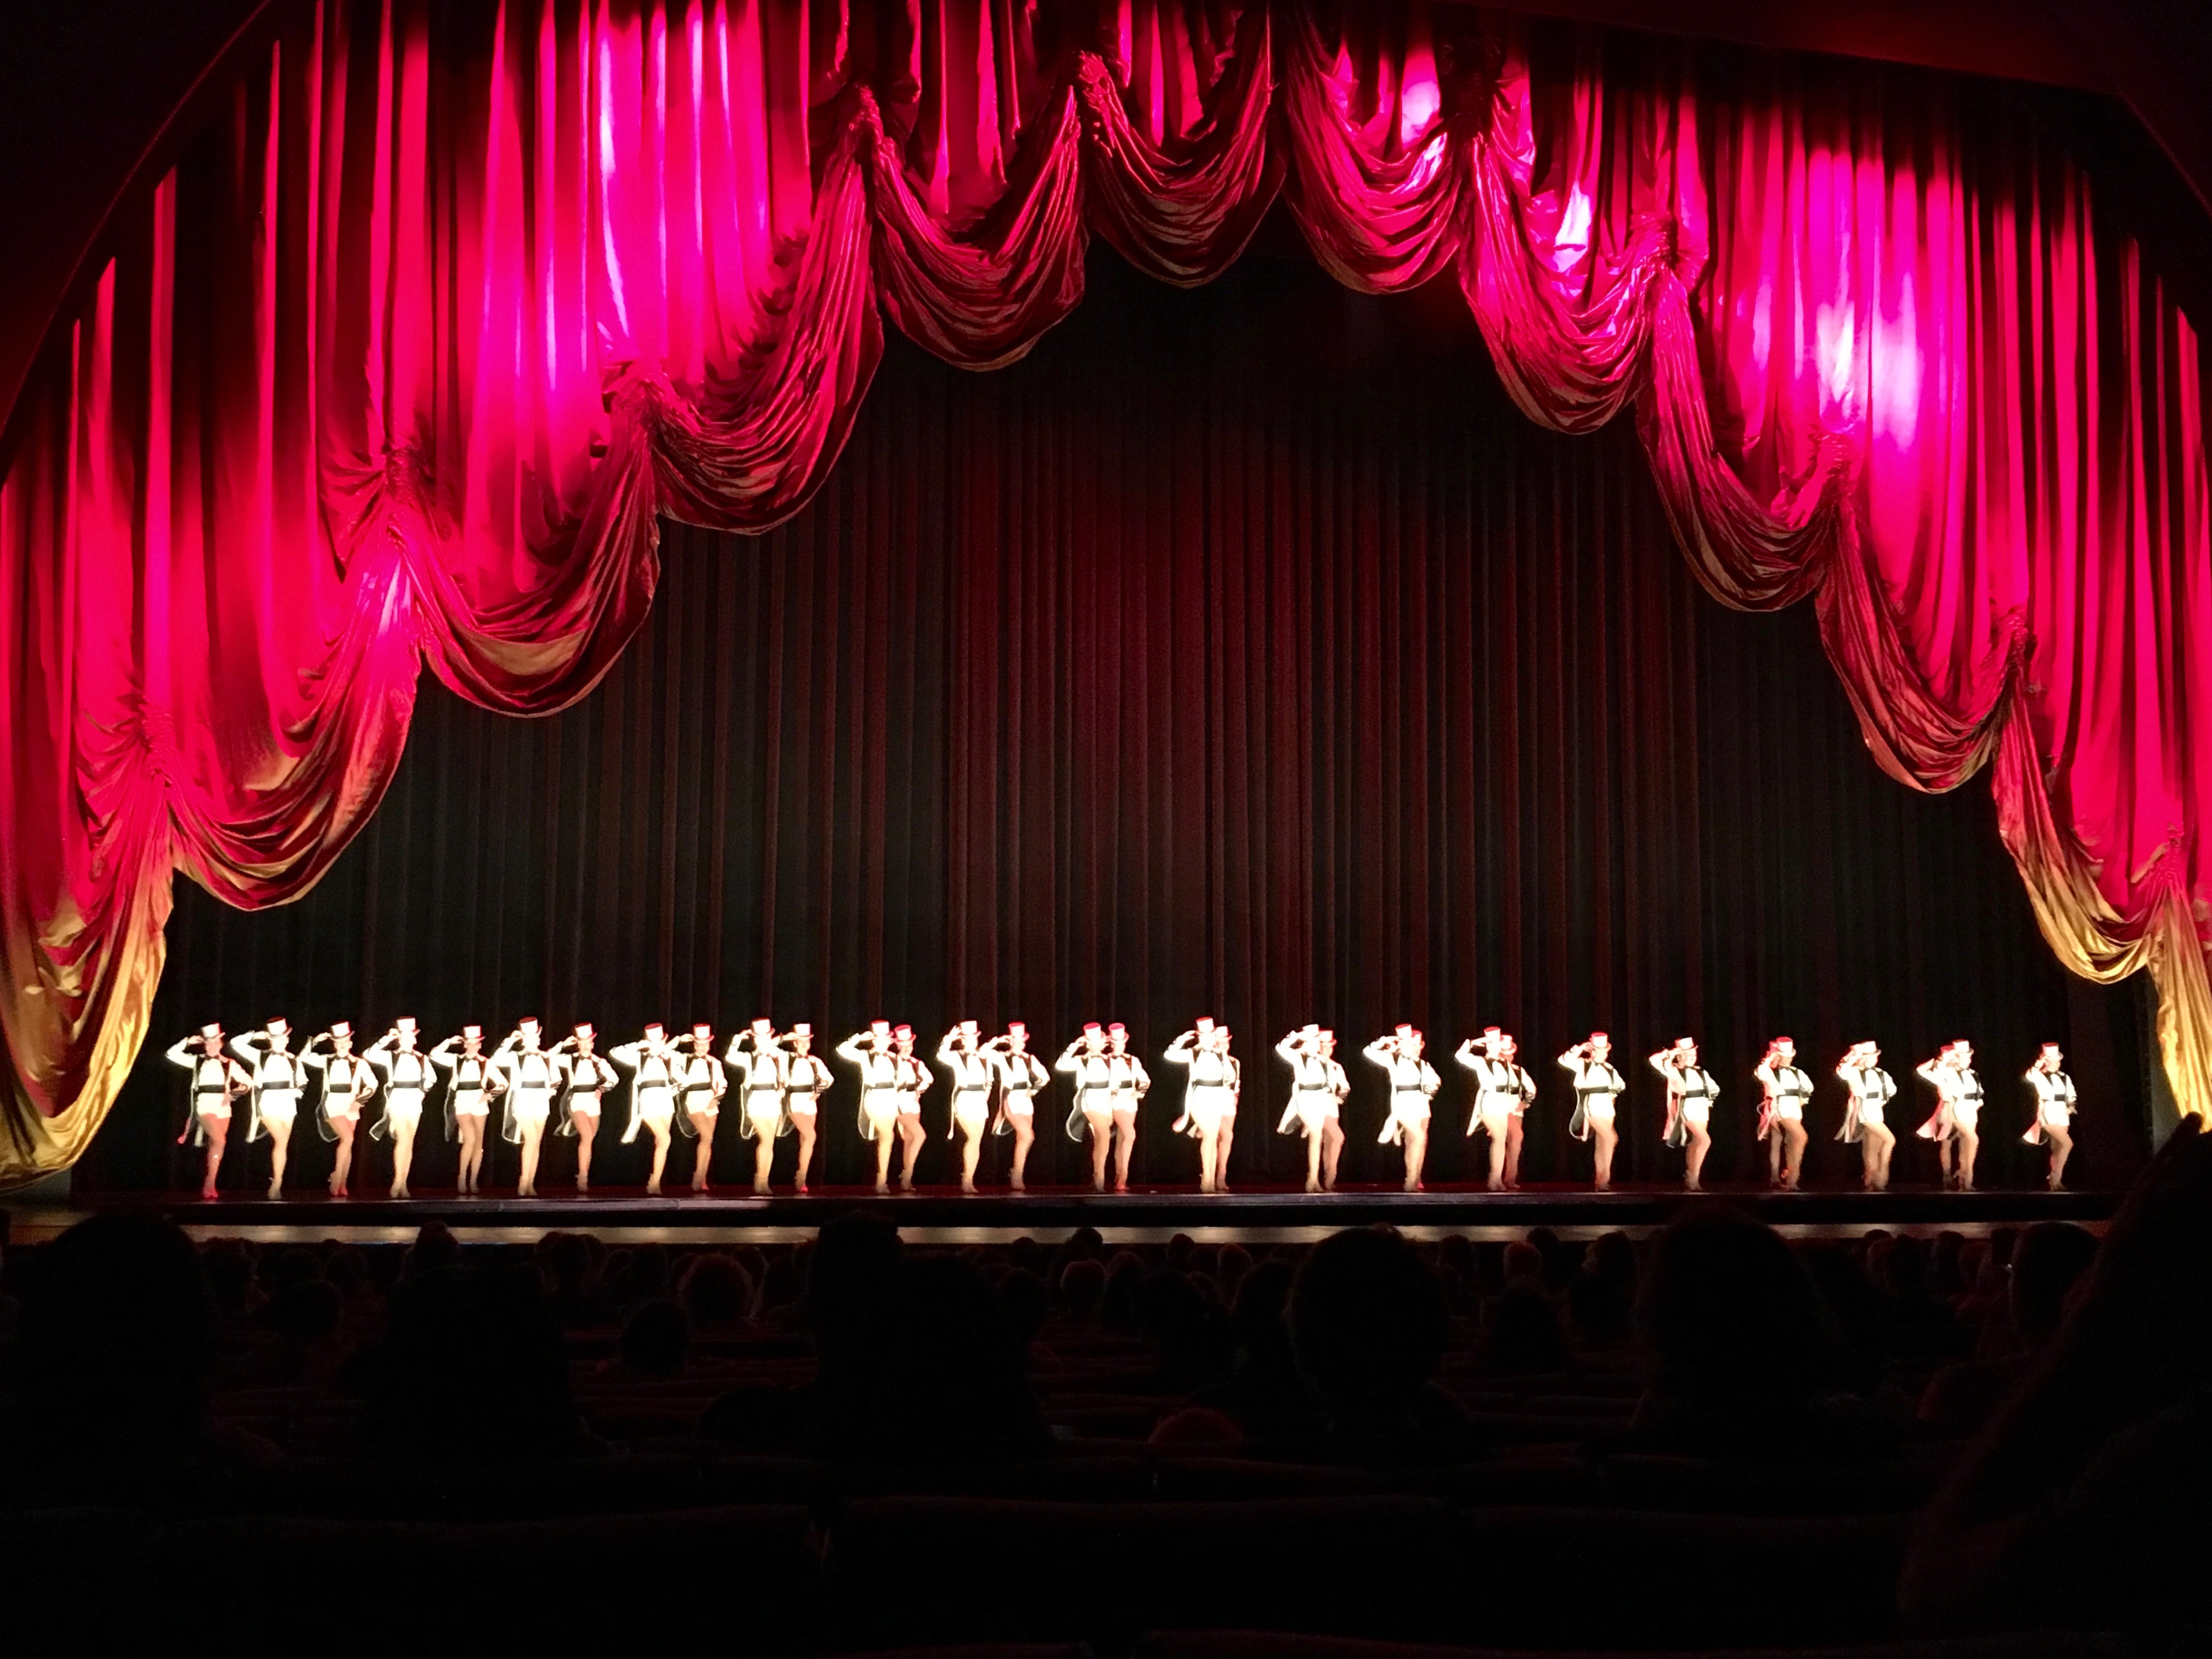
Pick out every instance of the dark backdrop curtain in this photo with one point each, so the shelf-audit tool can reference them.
(1243, 650)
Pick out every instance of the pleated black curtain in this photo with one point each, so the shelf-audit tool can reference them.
(1240, 651)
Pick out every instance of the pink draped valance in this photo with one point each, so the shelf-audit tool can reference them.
(403, 359)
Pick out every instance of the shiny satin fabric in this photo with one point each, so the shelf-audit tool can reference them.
(403, 360)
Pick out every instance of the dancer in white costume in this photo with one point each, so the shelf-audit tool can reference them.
(1318, 1086)
(1866, 1113)
(1209, 1108)
(806, 1079)
(872, 1051)
(529, 1075)
(409, 1078)
(701, 1082)
(1502, 1089)
(585, 1077)
(279, 1080)
(1786, 1090)
(1598, 1088)
(1098, 1105)
(651, 1061)
(1691, 1092)
(347, 1080)
(2055, 1102)
(470, 1087)
(973, 1075)
(758, 1060)
(1413, 1083)
(914, 1081)
(1132, 1083)
(1021, 1076)
(1955, 1125)
(217, 1080)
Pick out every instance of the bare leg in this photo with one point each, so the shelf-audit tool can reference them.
(660, 1133)
(1024, 1138)
(588, 1127)
(971, 1154)
(1416, 1154)
(1700, 1143)
(1793, 1154)
(1102, 1141)
(1313, 1160)
(1125, 1142)
(700, 1164)
(2061, 1148)
(1513, 1131)
(403, 1158)
(472, 1135)
(1870, 1159)
(1970, 1143)
(533, 1136)
(279, 1146)
(1495, 1133)
(1774, 1153)
(342, 1171)
(1606, 1139)
(763, 1159)
(1887, 1139)
(803, 1123)
(1209, 1148)
(217, 1131)
(1943, 1150)
(1332, 1148)
(912, 1136)
(885, 1134)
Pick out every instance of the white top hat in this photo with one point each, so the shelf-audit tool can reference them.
(2050, 1048)
(802, 1030)
(528, 1023)
(211, 1029)
(280, 1023)
(1681, 1043)
(763, 1023)
(703, 1030)
(1205, 1022)
(1015, 1027)
(1092, 1028)
(968, 1027)
(1406, 1030)
(585, 1029)
(473, 1031)
(1117, 1029)
(903, 1033)
(1492, 1033)
(406, 1023)
(655, 1030)
(341, 1028)
(880, 1027)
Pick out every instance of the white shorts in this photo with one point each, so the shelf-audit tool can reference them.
(798, 1105)
(1599, 1111)
(909, 1106)
(2055, 1115)
(764, 1108)
(1963, 1116)
(1698, 1112)
(472, 1104)
(1020, 1103)
(1411, 1112)
(971, 1111)
(278, 1106)
(882, 1110)
(1493, 1115)
(341, 1111)
(1870, 1117)
(583, 1105)
(403, 1108)
(219, 1111)
(701, 1105)
(530, 1106)
(1789, 1111)
(656, 1105)
(1210, 1107)
(1312, 1110)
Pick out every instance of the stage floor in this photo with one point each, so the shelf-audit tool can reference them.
(945, 1214)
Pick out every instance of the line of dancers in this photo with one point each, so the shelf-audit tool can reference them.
(676, 1085)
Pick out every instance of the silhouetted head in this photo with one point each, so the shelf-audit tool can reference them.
(2049, 1256)
(656, 1340)
(1730, 1318)
(1367, 1319)
(1082, 1283)
(714, 1292)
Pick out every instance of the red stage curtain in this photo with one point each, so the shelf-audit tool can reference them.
(408, 351)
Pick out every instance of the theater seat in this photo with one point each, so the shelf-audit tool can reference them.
(737, 1582)
(936, 1569)
(2059, 1645)
(73, 1581)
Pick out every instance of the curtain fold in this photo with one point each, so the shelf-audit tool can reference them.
(404, 359)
